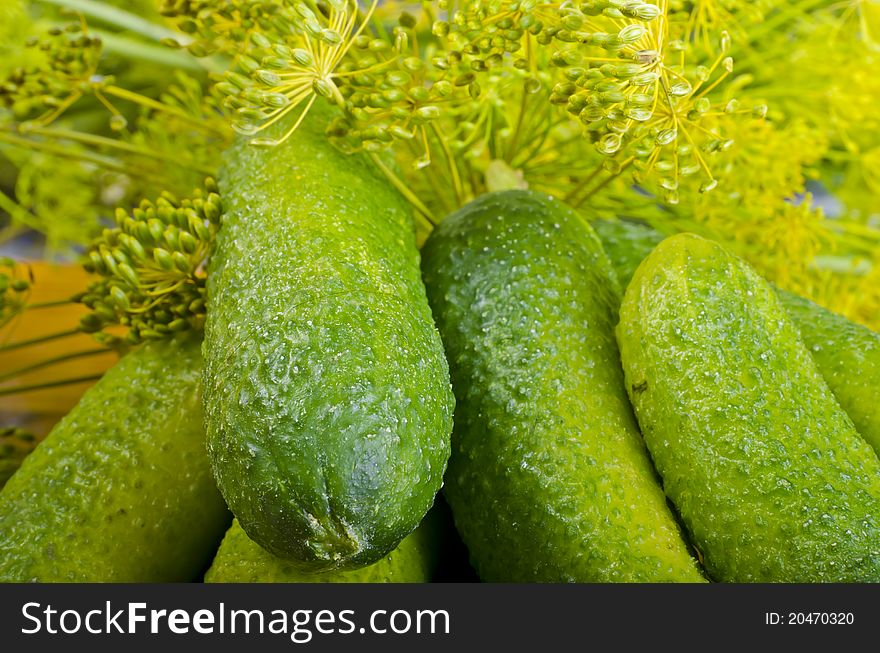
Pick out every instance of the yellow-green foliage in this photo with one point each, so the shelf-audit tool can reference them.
(749, 121)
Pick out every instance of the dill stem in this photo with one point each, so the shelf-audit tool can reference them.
(511, 148)
(52, 304)
(160, 55)
(150, 103)
(108, 143)
(48, 384)
(586, 182)
(53, 361)
(117, 17)
(453, 167)
(604, 183)
(15, 211)
(59, 150)
(422, 211)
(41, 339)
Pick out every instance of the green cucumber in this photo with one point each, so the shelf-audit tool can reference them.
(327, 395)
(241, 560)
(549, 479)
(848, 354)
(767, 471)
(121, 489)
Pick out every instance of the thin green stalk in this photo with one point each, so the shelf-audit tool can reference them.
(52, 304)
(422, 211)
(41, 339)
(15, 211)
(605, 182)
(59, 150)
(108, 143)
(49, 384)
(119, 18)
(161, 55)
(52, 361)
(150, 103)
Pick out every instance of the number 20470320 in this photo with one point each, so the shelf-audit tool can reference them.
(809, 618)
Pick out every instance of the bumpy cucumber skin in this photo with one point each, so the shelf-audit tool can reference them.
(121, 489)
(327, 395)
(549, 480)
(241, 560)
(767, 471)
(847, 354)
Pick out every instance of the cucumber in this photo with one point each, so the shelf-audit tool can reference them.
(767, 471)
(327, 395)
(848, 354)
(549, 479)
(241, 560)
(121, 489)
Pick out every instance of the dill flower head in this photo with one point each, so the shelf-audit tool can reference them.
(152, 267)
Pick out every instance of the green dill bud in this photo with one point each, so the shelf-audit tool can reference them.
(237, 79)
(609, 144)
(440, 29)
(397, 78)
(90, 323)
(171, 237)
(182, 262)
(680, 89)
(708, 186)
(639, 114)
(188, 243)
(109, 262)
(413, 64)
(129, 275)
(119, 298)
(267, 77)
(400, 132)
(665, 137)
(302, 58)
(163, 259)
(632, 33)
(702, 105)
(393, 95)
(419, 93)
(179, 325)
(644, 79)
(428, 112)
(197, 306)
(643, 11)
(260, 41)
(442, 87)
(324, 87)
(407, 20)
